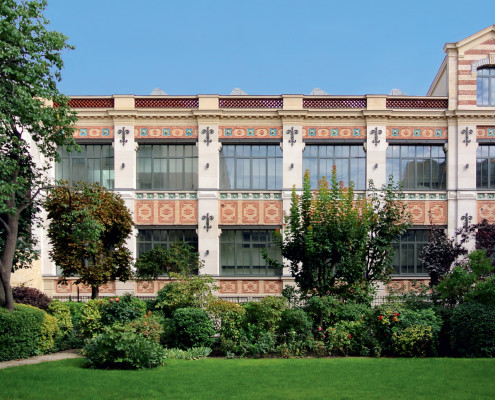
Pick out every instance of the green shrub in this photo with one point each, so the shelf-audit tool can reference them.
(90, 322)
(20, 332)
(266, 313)
(31, 296)
(227, 318)
(192, 328)
(120, 349)
(413, 341)
(149, 325)
(473, 330)
(184, 292)
(49, 332)
(122, 309)
(255, 341)
(194, 353)
(294, 331)
(75, 308)
(61, 311)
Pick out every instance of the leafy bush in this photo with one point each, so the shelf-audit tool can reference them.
(150, 326)
(294, 333)
(192, 328)
(20, 332)
(326, 311)
(122, 309)
(227, 318)
(185, 291)
(472, 330)
(90, 323)
(75, 312)
(120, 349)
(61, 311)
(31, 296)
(49, 332)
(194, 353)
(413, 341)
(266, 313)
(255, 341)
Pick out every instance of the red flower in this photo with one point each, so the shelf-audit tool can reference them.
(380, 317)
(116, 299)
(111, 299)
(394, 319)
(319, 328)
(349, 336)
(396, 314)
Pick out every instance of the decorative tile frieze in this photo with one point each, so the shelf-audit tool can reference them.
(334, 132)
(245, 132)
(424, 196)
(93, 132)
(168, 132)
(250, 212)
(485, 132)
(254, 196)
(166, 212)
(489, 196)
(427, 212)
(162, 195)
(416, 132)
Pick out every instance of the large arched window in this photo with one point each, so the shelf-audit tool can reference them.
(485, 83)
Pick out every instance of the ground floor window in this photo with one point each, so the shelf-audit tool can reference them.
(148, 239)
(407, 249)
(241, 253)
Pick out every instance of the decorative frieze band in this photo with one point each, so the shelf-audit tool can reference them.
(243, 212)
(487, 132)
(422, 196)
(166, 212)
(167, 195)
(166, 132)
(334, 132)
(248, 132)
(254, 196)
(428, 212)
(416, 132)
(93, 132)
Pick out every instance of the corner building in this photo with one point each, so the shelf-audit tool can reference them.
(217, 171)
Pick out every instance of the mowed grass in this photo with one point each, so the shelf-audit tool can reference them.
(338, 378)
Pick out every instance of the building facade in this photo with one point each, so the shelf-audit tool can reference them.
(217, 171)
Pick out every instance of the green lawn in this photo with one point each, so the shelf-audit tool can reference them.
(340, 378)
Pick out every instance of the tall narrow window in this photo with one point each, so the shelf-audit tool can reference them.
(485, 167)
(407, 249)
(349, 161)
(167, 167)
(93, 164)
(485, 86)
(257, 167)
(417, 167)
(241, 253)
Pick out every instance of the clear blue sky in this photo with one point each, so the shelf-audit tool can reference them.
(263, 47)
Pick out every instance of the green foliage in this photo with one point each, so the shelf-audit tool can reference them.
(266, 313)
(340, 245)
(122, 309)
(88, 230)
(227, 318)
(49, 332)
(294, 331)
(194, 353)
(185, 291)
(118, 348)
(30, 65)
(413, 341)
(327, 311)
(62, 312)
(149, 326)
(90, 323)
(473, 280)
(31, 296)
(179, 258)
(75, 308)
(192, 327)
(20, 332)
(255, 341)
(472, 330)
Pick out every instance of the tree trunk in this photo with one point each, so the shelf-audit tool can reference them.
(95, 290)
(6, 262)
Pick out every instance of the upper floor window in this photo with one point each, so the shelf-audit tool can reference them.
(349, 161)
(241, 253)
(257, 167)
(93, 164)
(148, 239)
(485, 167)
(485, 86)
(407, 248)
(167, 167)
(417, 167)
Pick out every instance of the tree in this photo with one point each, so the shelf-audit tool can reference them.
(179, 258)
(88, 230)
(30, 65)
(338, 244)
